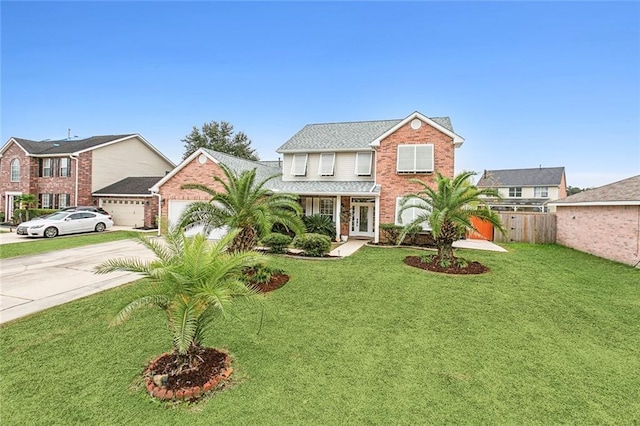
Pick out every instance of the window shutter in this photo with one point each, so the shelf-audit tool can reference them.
(299, 166)
(405, 158)
(363, 163)
(424, 158)
(326, 164)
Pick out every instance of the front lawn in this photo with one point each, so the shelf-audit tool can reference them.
(549, 336)
(44, 245)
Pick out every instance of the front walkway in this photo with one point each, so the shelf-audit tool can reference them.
(354, 245)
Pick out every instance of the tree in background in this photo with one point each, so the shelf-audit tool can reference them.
(219, 137)
(571, 190)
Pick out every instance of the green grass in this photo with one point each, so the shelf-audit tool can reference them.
(549, 336)
(59, 243)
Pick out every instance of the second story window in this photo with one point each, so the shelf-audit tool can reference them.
(541, 192)
(299, 165)
(327, 161)
(65, 170)
(15, 170)
(515, 192)
(363, 163)
(415, 158)
(47, 170)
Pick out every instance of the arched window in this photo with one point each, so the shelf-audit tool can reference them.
(15, 170)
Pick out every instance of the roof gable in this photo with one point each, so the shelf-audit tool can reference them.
(62, 147)
(623, 192)
(442, 124)
(541, 176)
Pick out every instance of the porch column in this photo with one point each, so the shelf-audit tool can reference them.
(338, 211)
(376, 228)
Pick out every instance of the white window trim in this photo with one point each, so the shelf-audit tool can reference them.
(414, 148)
(539, 192)
(47, 165)
(299, 165)
(15, 170)
(67, 168)
(515, 192)
(327, 161)
(410, 213)
(360, 161)
(333, 207)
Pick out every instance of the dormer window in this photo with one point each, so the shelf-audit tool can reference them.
(327, 161)
(415, 158)
(363, 163)
(299, 165)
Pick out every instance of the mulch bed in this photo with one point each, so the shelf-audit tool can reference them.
(277, 281)
(472, 268)
(213, 369)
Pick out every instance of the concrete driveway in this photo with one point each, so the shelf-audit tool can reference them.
(33, 283)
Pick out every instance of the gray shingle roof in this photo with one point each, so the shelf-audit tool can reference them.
(264, 171)
(540, 176)
(130, 186)
(65, 146)
(344, 136)
(621, 191)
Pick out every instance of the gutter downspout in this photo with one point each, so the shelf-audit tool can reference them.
(75, 157)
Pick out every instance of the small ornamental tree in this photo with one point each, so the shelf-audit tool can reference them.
(447, 210)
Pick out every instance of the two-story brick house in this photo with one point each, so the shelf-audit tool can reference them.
(353, 172)
(525, 190)
(68, 172)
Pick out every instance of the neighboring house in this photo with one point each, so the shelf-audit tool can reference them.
(355, 173)
(604, 221)
(526, 190)
(68, 172)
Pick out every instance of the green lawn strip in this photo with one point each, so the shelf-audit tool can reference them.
(60, 243)
(549, 336)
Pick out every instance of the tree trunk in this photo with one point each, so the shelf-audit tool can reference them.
(244, 241)
(444, 242)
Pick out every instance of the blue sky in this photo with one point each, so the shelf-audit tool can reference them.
(526, 84)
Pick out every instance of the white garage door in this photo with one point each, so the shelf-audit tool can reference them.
(176, 207)
(125, 212)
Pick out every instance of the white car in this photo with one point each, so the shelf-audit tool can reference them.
(62, 223)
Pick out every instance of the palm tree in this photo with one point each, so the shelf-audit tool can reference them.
(245, 205)
(447, 210)
(197, 283)
(27, 201)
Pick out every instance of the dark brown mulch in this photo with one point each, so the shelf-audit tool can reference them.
(212, 364)
(472, 268)
(277, 281)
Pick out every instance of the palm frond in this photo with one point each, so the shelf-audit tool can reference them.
(158, 300)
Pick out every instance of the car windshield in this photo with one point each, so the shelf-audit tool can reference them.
(58, 216)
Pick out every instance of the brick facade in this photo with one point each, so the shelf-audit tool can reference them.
(611, 232)
(193, 172)
(397, 185)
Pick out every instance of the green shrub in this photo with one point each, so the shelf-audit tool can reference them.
(319, 224)
(20, 215)
(260, 274)
(315, 245)
(1, 216)
(277, 242)
(390, 233)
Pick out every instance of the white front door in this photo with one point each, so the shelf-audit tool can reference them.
(361, 220)
(10, 198)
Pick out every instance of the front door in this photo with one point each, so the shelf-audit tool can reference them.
(11, 198)
(361, 219)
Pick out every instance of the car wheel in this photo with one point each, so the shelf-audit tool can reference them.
(50, 232)
(100, 227)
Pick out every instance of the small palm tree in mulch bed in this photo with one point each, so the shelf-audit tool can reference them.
(196, 284)
(448, 211)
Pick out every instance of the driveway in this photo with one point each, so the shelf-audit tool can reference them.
(33, 283)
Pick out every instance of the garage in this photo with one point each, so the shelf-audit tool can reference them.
(125, 212)
(176, 207)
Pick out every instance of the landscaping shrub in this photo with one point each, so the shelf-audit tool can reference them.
(277, 242)
(260, 274)
(20, 215)
(1, 216)
(316, 245)
(319, 224)
(390, 233)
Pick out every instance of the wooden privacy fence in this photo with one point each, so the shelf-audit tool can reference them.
(536, 228)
